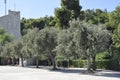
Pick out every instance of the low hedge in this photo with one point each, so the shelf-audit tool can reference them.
(72, 63)
(104, 64)
(100, 64)
(79, 63)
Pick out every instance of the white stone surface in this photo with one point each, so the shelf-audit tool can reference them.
(19, 73)
(11, 23)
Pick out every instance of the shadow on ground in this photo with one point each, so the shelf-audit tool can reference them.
(65, 70)
(81, 71)
(108, 73)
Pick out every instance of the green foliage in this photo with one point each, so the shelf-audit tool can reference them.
(111, 25)
(60, 57)
(28, 41)
(100, 64)
(79, 63)
(116, 15)
(96, 16)
(90, 39)
(104, 64)
(114, 20)
(116, 37)
(62, 16)
(17, 46)
(73, 6)
(104, 55)
(75, 39)
(50, 36)
(50, 43)
(70, 9)
(116, 43)
(5, 37)
(39, 23)
(6, 52)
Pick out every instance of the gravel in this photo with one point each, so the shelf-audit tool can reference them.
(45, 73)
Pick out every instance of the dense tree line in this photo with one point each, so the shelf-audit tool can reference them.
(79, 39)
(4, 39)
(71, 32)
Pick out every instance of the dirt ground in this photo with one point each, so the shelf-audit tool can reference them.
(44, 73)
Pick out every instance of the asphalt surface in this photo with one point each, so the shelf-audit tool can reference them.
(44, 73)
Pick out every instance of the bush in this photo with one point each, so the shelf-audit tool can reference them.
(100, 64)
(43, 62)
(104, 64)
(72, 63)
(64, 63)
(115, 65)
(108, 64)
(79, 63)
(104, 55)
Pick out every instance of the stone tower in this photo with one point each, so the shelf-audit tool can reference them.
(11, 23)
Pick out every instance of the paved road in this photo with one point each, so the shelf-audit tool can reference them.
(19, 73)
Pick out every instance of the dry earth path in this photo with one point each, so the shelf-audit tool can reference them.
(19, 73)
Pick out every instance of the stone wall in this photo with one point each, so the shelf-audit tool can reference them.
(11, 23)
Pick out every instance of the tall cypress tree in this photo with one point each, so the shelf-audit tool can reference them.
(70, 9)
(73, 6)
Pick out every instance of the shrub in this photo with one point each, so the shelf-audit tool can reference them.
(79, 63)
(100, 64)
(104, 64)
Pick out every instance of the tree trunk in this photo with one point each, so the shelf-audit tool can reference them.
(88, 64)
(94, 62)
(0, 61)
(49, 61)
(68, 61)
(13, 61)
(21, 61)
(54, 63)
(37, 62)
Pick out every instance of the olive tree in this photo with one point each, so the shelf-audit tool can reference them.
(99, 40)
(90, 39)
(29, 44)
(66, 44)
(49, 43)
(4, 39)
